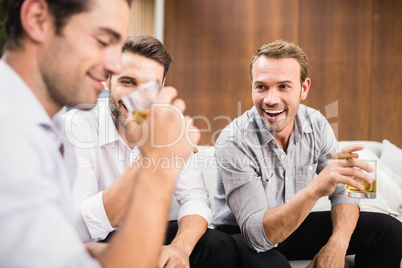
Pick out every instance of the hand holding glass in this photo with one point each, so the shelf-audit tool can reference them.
(139, 101)
(370, 189)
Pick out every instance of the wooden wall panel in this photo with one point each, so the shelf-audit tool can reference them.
(337, 38)
(352, 47)
(386, 93)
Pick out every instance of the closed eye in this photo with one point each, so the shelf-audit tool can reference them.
(102, 43)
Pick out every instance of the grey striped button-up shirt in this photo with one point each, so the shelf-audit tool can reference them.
(257, 174)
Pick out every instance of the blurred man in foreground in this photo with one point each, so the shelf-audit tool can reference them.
(58, 53)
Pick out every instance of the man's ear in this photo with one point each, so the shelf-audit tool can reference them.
(305, 88)
(163, 81)
(36, 20)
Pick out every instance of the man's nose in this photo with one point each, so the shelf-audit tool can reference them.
(113, 61)
(272, 96)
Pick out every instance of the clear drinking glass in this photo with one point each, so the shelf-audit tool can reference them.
(138, 102)
(370, 190)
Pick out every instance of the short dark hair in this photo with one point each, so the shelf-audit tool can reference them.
(149, 47)
(61, 10)
(282, 49)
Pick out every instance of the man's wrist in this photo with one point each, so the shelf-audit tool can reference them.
(183, 246)
(341, 241)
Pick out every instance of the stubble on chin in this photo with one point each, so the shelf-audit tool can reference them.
(114, 109)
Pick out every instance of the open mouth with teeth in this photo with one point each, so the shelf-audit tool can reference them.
(122, 104)
(273, 114)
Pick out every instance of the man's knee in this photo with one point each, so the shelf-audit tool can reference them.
(253, 259)
(215, 249)
(217, 240)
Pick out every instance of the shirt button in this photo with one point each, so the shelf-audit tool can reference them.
(310, 168)
(286, 178)
(287, 200)
(283, 156)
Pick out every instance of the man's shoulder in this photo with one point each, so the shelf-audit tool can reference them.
(78, 116)
(238, 126)
(85, 120)
(240, 133)
(24, 144)
(309, 112)
(310, 118)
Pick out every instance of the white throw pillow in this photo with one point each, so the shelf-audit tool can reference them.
(391, 156)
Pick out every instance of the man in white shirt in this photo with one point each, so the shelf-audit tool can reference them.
(104, 148)
(59, 53)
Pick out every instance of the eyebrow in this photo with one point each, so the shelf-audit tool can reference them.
(125, 77)
(114, 34)
(285, 82)
(259, 82)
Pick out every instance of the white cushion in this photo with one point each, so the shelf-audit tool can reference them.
(391, 156)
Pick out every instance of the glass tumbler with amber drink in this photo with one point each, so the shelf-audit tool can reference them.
(370, 190)
(139, 101)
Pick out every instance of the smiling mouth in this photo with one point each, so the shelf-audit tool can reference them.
(122, 104)
(273, 114)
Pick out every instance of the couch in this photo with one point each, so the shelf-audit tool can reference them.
(389, 189)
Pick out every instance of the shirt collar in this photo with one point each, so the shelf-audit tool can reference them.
(17, 95)
(15, 91)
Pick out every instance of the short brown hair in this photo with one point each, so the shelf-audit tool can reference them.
(61, 10)
(282, 49)
(149, 47)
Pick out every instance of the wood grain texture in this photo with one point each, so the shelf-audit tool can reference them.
(386, 80)
(353, 49)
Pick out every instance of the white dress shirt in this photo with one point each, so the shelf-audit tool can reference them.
(37, 219)
(102, 156)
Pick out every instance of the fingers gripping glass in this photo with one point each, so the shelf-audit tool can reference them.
(370, 189)
(139, 101)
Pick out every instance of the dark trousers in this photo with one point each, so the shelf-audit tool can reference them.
(376, 241)
(214, 249)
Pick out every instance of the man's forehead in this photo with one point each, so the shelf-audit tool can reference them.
(139, 68)
(283, 65)
(109, 16)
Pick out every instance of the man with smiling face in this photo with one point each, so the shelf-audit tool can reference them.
(267, 188)
(105, 147)
(59, 53)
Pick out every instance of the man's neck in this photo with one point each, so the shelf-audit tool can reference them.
(282, 138)
(282, 142)
(27, 68)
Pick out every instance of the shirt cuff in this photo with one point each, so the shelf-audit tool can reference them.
(340, 198)
(95, 218)
(254, 234)
(195, 208)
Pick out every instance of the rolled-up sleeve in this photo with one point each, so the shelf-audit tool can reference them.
(191, 193)
(244, 193)
(94, 216)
